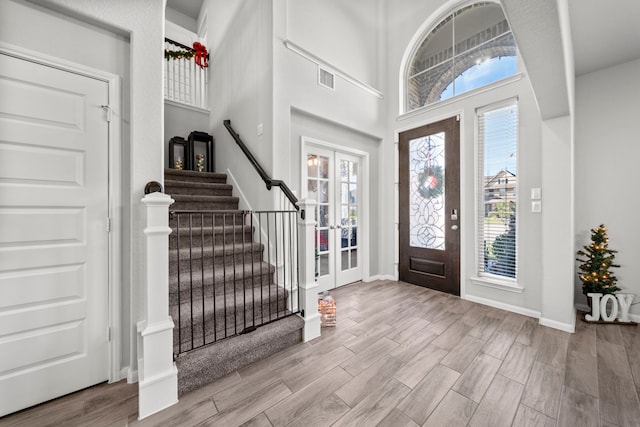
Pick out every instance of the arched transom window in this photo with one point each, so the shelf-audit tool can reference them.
(471, 47)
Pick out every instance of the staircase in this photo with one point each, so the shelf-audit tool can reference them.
(227, 308)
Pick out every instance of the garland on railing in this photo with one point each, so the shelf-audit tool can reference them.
(199, 52)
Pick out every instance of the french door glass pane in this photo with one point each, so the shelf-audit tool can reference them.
(426, 192)
(348, 213)
(319, 190)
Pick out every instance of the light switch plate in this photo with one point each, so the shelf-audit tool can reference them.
(536, 206)
(536, 193)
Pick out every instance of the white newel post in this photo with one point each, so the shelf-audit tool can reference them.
(157, 372)
(307, 260)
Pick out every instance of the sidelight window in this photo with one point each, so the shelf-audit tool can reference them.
(497, 190)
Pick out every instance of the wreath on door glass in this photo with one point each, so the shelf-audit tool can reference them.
(431, 182)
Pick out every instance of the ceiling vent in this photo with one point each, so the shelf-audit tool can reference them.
(326, 78)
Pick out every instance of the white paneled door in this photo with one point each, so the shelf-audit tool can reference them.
(54, 261)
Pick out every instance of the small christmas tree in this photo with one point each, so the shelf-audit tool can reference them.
(597, 260)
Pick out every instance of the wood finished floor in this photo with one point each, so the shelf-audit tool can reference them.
(402, 355)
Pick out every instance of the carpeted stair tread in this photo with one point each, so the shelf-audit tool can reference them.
(218, 235)
(219, 254)
(203, 199)
(205, 365)
(174, 188)
(194, 176)
(250, 274)
(244, 307)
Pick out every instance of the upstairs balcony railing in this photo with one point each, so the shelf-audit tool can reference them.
(185, 74)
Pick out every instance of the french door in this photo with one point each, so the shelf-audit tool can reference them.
(429, 188)
(333, 180)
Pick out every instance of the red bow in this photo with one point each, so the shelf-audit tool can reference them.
(200, 54)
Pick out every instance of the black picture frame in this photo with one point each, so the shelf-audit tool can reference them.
(179, 153)
(201, 152)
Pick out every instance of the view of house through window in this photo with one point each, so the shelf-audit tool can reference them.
(470, 48)
(497, 189)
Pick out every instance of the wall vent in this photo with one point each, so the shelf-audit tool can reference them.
(326, 78)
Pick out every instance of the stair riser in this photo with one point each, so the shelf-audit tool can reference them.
(222, 330)
(216, 238)
(203, 206)
(220, 288)
(221, 190)
(210, 178)
(206, 220)
(218, 260)
(189, 342)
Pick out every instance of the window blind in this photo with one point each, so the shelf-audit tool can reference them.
(497, 183)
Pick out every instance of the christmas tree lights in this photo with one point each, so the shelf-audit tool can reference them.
(597, 260)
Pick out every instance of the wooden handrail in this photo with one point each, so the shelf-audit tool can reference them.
(263, 174)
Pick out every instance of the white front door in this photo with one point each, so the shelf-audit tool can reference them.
(53, 233)
(333, 180)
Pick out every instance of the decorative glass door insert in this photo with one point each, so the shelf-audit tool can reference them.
(427, 192)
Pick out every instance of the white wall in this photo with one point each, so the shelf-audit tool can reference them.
(181, 121)
(296, 87)
(143, 22)
(405, 19)
(240, 88)
(606, 155)
(344, 33)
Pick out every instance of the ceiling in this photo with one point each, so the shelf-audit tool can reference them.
(190, 8)
(604, 33)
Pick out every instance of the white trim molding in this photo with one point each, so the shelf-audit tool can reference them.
(567, 327)
(503, 306)
(328, 67)
(497, 284)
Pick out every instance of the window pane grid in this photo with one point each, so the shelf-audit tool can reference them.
(470, 48)
(497, 191)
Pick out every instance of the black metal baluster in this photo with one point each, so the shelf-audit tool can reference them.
(261, 266)
(235, 303)
(244, 276)
(224, 269)
(269, 260)
(204, 330)
(253, 288)
(177, 218)
(213, 274)
(191, 273)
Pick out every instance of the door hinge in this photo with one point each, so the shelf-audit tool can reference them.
(457, 117)
(108, 111)
(108, 333)
(108, 225)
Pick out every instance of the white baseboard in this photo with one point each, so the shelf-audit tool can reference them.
(378, 277)
(236, 188)
(503, 306)
(132, 376)
(634, 317)
(567, 327)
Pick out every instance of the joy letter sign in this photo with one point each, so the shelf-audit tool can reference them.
(619, 302)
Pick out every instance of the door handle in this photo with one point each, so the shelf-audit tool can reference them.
(454, 227)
